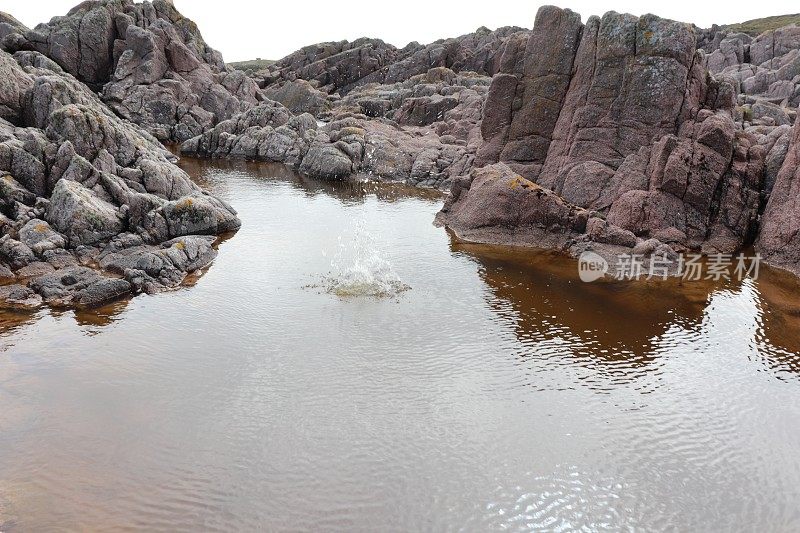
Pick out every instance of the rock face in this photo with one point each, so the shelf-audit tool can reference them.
(778, 239)
(151, 64)
(619, 124)
(763, 69)
(535, 79)
(76, 181)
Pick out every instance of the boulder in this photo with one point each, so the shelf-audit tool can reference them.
(299, 96)
(325, 161)
(18, 297)
(40, 237)
(199, 215)
(495, 204)
(79, 287)
(81, 215)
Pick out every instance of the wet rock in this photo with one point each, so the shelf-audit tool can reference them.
(80, 287)
(18, 297)
(153, 269)
(495, 204)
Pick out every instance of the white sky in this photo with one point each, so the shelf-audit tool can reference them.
(246, 29)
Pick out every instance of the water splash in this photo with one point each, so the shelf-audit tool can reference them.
(358, 269)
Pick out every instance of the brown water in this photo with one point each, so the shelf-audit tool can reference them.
(497, 393)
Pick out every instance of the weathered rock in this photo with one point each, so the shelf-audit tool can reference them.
(150, 63)
(40, 237)
(522, 137)
(326, 161)
(299, 96)
(36, 269)
(81, 215)
(634, 82)
(495, 204)
(18, 297)
(198, 215)
(16, 253)
(351, 144)
(6, 273)
(79, 287)
(73, 174)
(153, 269)
(343, 66)
(780, 224)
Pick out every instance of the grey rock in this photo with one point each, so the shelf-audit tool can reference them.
(79, 287)
(81, 215)
(18, 297)
(40, 237)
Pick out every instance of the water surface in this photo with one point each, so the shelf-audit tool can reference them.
(497, 392)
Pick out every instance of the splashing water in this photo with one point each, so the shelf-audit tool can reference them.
(359, 270)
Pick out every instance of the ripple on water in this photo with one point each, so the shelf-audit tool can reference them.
(499, 394)
(359, 270)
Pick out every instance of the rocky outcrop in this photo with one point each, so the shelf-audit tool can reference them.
(764, 70)
(398, 132)
(74, 178)
(525, 100)
(333, 66)
(150, 63)
(340, 67)
(299, 96)
(618, 118)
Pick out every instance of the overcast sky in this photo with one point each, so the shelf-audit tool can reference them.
(245, 29)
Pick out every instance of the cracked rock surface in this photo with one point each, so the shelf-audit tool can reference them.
(76, 182)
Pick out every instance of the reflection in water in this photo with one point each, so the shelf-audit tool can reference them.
(619, 326)
(499, 393)
(207, 173)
